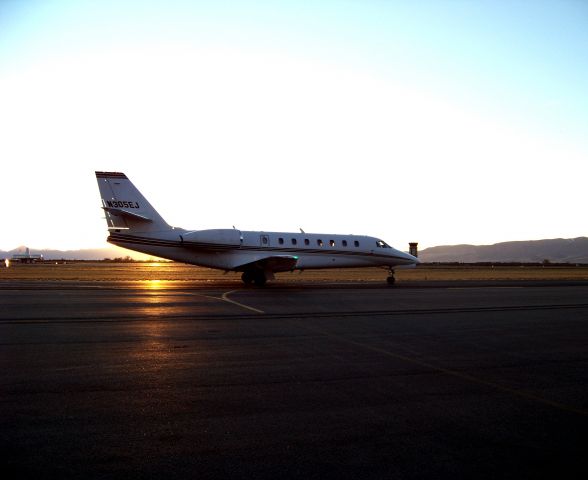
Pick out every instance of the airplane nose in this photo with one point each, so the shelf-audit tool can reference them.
(412, 258)
(407, 257)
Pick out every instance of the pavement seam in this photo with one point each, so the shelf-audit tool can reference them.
(464, 376)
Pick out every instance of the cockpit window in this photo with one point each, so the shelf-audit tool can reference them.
(382, 244)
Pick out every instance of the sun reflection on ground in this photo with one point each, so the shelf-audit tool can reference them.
(156, 264)
(154, 284)
(154, 351)
(155, 297)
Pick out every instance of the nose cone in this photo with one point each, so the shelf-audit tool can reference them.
(405, 258)
(411, 259)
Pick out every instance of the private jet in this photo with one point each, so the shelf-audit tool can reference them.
(134, 224)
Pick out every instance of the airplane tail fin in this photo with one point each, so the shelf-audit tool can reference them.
(125, 207)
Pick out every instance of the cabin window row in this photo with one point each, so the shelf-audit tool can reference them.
(319, 242)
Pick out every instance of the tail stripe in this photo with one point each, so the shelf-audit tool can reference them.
(110, 175)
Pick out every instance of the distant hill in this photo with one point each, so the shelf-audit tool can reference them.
(572, 250)
(84, 254)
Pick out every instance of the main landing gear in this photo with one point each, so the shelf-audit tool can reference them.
(391, 279)
(254, 276)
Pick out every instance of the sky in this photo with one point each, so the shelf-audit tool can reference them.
(442, 122)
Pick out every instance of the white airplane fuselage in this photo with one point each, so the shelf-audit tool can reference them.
(237, 248)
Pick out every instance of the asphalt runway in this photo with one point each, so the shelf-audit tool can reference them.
(199, 380)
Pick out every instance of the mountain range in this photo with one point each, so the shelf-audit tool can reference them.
(559, 250)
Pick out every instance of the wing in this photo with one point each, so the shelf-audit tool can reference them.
(271, 263)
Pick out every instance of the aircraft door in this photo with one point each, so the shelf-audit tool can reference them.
(264, 240)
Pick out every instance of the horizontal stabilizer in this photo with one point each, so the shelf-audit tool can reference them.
(119, 212)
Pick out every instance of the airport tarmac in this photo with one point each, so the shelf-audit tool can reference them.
(317, 380)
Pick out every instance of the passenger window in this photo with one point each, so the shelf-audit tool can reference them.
(344, 243)
(356, 243)
(319, 242)
(332, 243)
(306, 241)
(294, 241)
(281, 241)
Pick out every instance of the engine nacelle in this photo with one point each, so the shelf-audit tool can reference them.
(218, 236)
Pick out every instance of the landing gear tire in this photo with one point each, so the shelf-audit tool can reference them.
(247, 278)
(260, 279)
(257, 277)
(391, 280)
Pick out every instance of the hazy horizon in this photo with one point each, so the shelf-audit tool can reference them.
(440, 122)
(122, 252)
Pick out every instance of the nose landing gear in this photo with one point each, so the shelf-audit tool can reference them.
(391, 280)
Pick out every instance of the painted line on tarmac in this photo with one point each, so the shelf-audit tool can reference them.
(225, 298)
(454, 373)
(482, 288)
